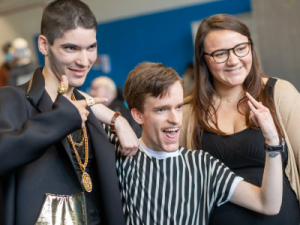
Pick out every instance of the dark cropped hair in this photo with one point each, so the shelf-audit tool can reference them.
(201, 98)
(148, 79)
(62, 15)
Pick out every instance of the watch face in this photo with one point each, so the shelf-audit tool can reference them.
(273, 154)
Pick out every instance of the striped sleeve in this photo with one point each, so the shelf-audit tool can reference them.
(113, 138)
(222, 180)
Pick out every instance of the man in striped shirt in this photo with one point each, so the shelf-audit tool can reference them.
(167, 184)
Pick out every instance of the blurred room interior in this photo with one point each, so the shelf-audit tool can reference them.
(133, 31)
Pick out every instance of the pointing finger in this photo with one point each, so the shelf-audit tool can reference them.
(253, 109)
(253, 101)
(92, 101)
(100, 100)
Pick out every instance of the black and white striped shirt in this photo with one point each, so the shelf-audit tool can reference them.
(180, 189)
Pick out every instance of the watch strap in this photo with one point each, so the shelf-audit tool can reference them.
(275, 148)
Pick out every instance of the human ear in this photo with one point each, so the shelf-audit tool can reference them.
(43, 45)
(137, 116)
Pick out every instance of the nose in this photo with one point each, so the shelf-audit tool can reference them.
(83, 59)
(174, 116)
(233, 59)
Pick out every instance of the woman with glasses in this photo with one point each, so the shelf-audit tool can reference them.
(218, 120)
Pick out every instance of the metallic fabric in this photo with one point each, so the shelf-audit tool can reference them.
(63, 210)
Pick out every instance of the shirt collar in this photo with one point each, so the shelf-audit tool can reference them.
(157, 154)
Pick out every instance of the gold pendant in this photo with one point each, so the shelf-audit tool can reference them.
(229, 100)
(87, 182)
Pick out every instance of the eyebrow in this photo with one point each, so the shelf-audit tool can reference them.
(76, 46)
(229, 48)
(167, 106)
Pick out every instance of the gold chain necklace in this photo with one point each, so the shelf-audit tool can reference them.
(77, 144)
(85, 177)
(229, 100)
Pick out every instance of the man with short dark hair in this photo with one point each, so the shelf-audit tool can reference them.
(167, 184)
(56, 163)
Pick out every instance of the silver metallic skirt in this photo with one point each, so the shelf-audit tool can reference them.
(63, 210)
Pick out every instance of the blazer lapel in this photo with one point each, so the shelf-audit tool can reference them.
(40, 99)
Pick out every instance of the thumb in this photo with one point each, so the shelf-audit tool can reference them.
(64, 83)
(64, 80)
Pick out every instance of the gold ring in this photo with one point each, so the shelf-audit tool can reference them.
(62, 89)
(90, 102)
(87, 114)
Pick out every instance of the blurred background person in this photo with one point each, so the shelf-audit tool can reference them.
(23, 66)
(105, 87)
(188, 79)
(7, 65)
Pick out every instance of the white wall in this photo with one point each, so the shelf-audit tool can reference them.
(21, 18)
(107, 10)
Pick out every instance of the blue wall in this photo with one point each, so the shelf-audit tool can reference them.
(161, 37)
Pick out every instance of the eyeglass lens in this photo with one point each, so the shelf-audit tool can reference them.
(240, 51)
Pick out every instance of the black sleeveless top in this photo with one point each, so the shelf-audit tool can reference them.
(244, 154)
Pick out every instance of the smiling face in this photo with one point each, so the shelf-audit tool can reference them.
(161, 120)
(73, 55)
(233, 72)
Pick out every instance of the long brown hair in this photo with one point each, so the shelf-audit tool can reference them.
(201, 98)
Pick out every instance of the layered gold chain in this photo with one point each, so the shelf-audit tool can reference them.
(86, 146)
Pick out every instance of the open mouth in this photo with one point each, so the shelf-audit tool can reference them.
(171, 133)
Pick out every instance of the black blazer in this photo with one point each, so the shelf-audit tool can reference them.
(35, 158)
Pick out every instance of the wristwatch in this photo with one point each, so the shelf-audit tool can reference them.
(273, 150)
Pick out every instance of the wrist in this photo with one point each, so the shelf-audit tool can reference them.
(118, 123)
(275, 147)
(273, 141)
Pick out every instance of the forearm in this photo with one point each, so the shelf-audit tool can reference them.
(102, 113)
(271, 189)
(268, 198)
(270, 193)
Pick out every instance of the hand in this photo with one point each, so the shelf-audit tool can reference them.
(81, 105)
(261, 117)
(129, 142)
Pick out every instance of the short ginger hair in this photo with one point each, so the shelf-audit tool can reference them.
(148, 79)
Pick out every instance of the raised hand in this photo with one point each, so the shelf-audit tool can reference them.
(129, 142)
(81, 105)
(262, 118)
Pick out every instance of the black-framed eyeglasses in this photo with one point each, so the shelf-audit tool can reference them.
(222, 55)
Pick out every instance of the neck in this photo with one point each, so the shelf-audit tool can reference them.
(156, 148)
(225, 92)
(144, 140)
(52, 83)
